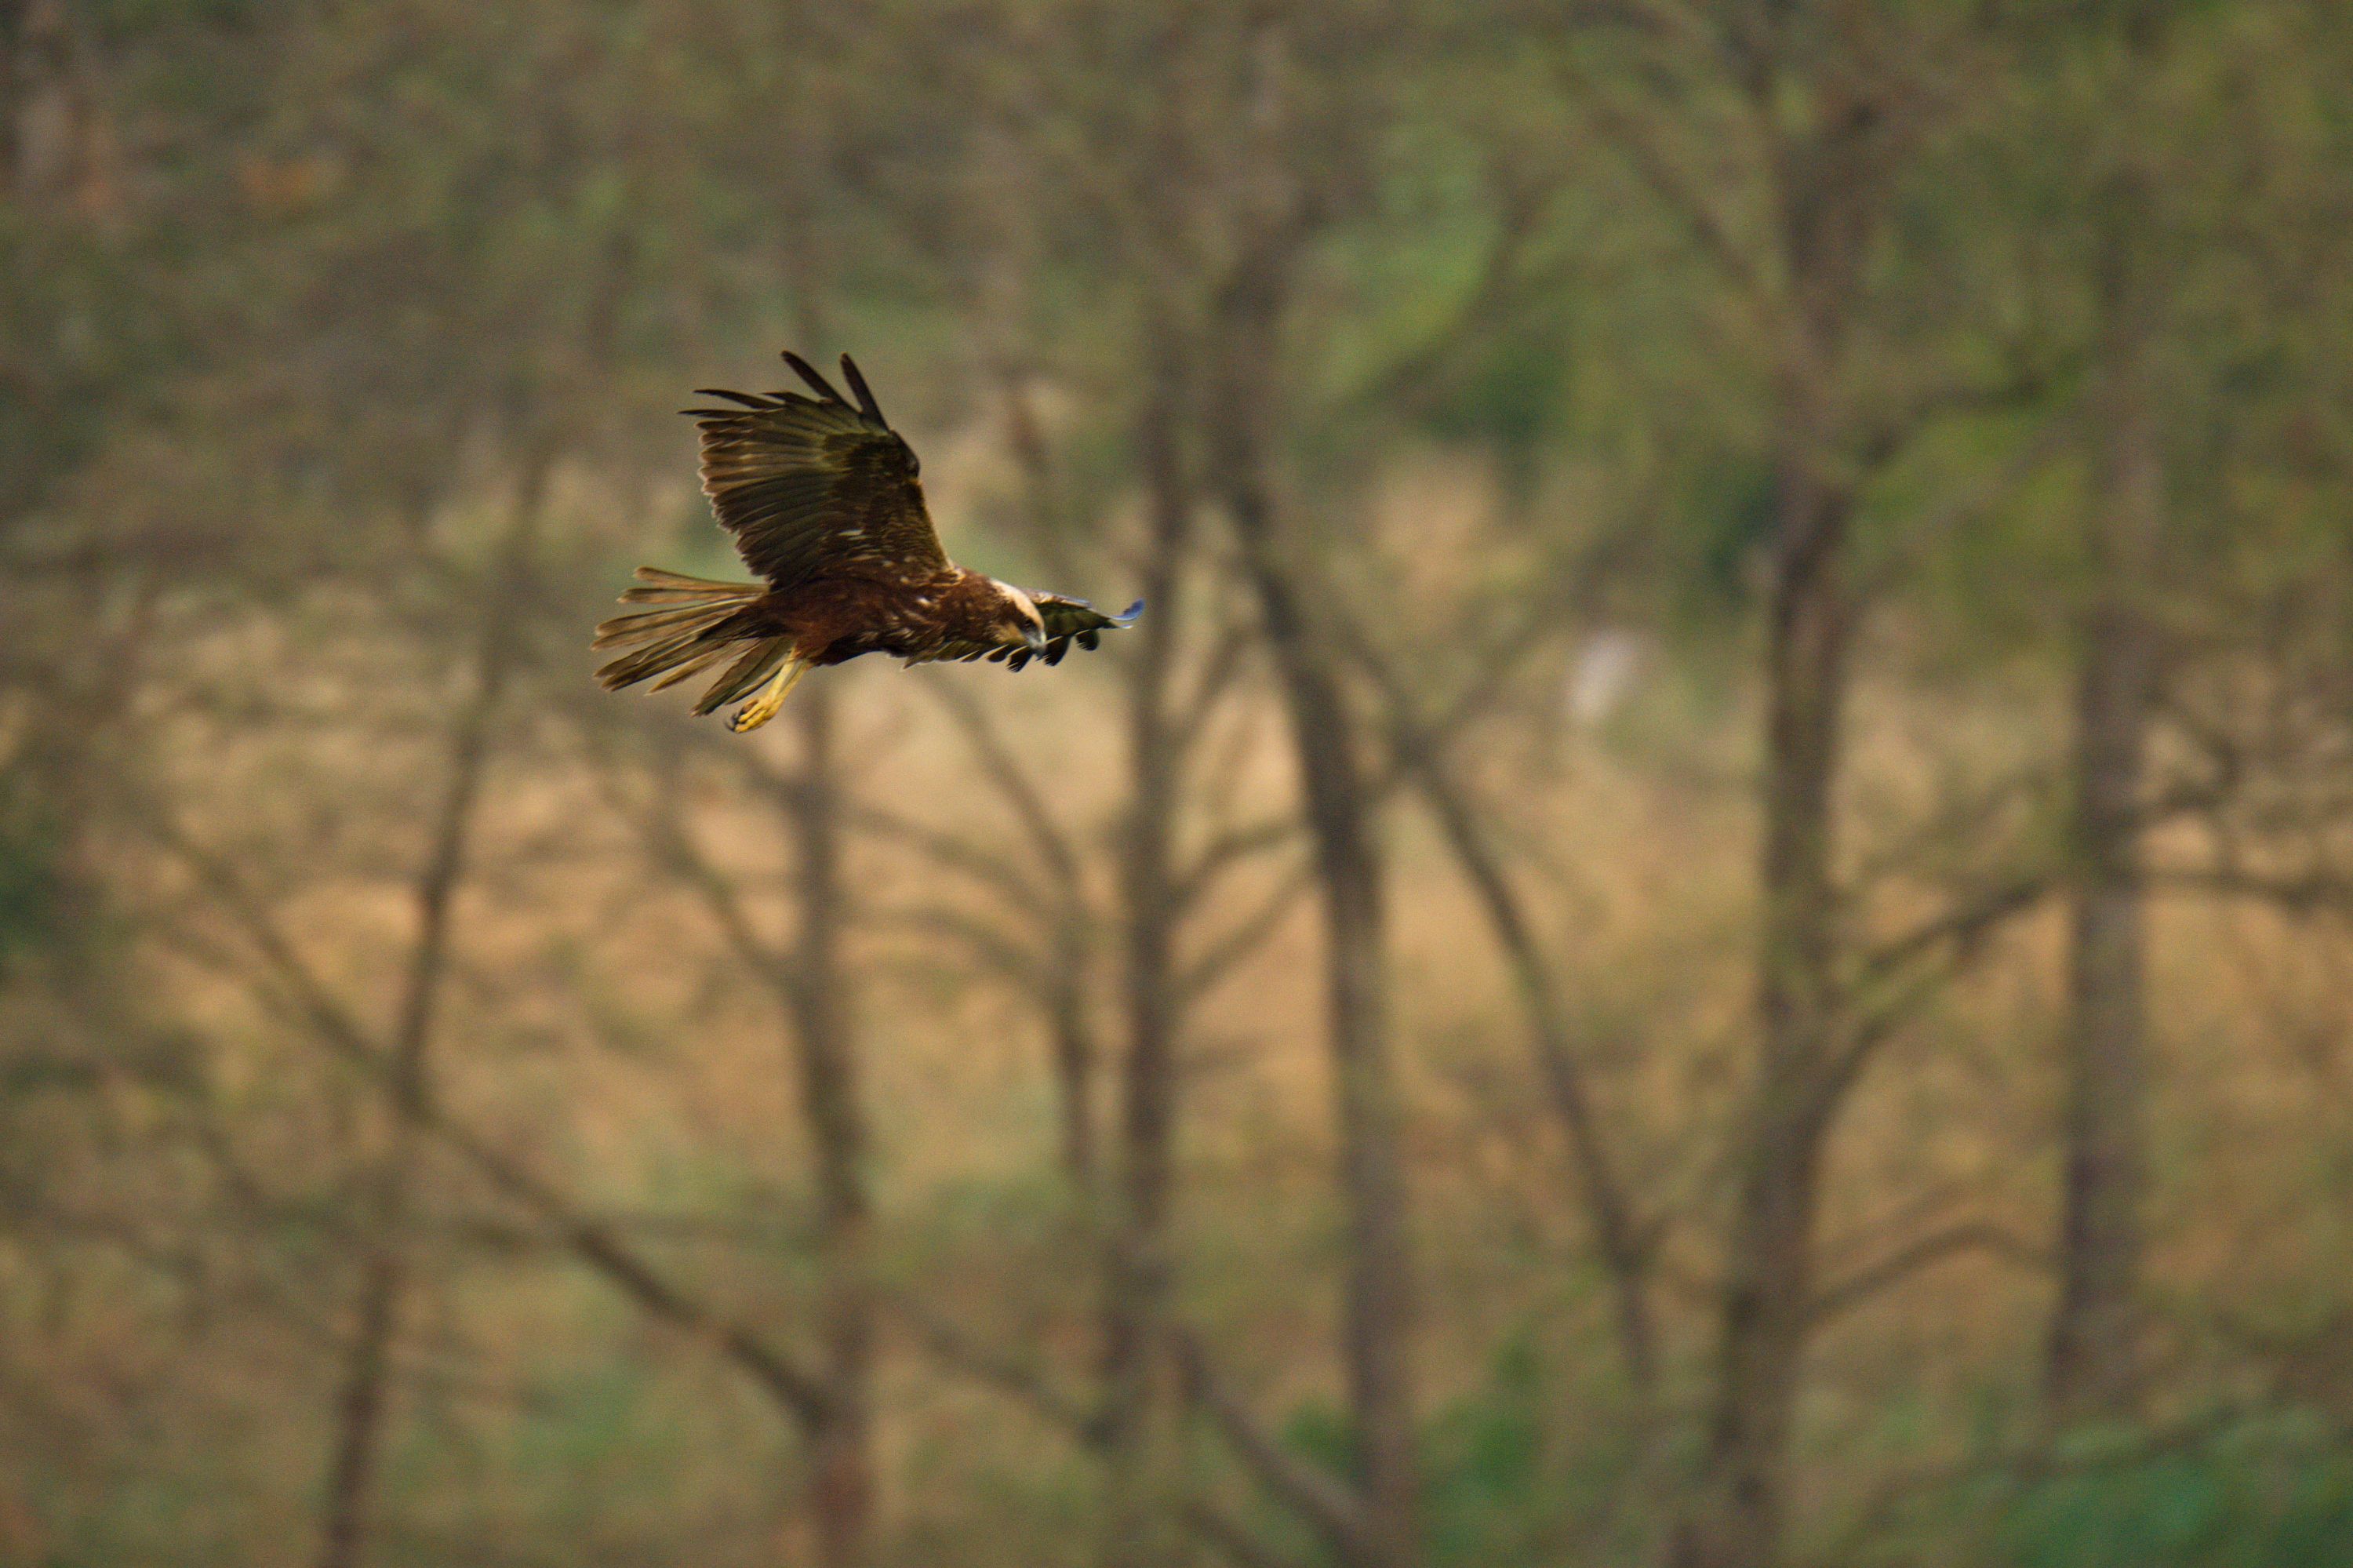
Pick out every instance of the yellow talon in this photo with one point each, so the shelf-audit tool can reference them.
(763, 709)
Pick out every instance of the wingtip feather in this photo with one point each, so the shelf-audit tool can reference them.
(864, 394)
(749, 399)
(808, 373)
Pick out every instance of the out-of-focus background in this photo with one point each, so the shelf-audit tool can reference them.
(1707, 926)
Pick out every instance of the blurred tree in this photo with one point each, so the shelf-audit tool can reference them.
(1830, 120)
(2095, 1333)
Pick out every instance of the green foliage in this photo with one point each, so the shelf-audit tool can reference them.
(1515, 1469)
(1493, 1495)
(1320, 1430)
(1728, 520)
(31, 889)
(2276, 1494)
(76, 329)
(1515, 394)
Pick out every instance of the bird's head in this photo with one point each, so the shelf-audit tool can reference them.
(1019, 623)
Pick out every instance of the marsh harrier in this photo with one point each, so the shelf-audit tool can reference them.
(823, 500)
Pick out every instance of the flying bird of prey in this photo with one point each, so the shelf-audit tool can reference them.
(823, 500)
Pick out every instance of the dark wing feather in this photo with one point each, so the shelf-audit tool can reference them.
(867, 406)
(1067, 621)
(816, 486)
(1070, 621)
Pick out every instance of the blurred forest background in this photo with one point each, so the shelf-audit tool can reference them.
(1710, 923)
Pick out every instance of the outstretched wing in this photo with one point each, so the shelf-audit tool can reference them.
(1067, 621)
(816, 486)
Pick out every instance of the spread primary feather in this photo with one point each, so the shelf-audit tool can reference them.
(826, 506)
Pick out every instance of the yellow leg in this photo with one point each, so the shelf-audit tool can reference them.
(763, 709)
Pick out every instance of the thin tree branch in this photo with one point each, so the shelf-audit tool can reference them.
(665, 838)
(1620, 1233)
(1000, 873)
(1884, 1274)
(1959, 926)
(1004, 770)
(2300, 893)
(1024, 1384)
(802, 1393)
(1227, 851)
(1315, 1495)
(1657, 172)
(1026, 969)
(1209, 967)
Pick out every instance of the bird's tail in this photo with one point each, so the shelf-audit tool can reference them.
(699, 622)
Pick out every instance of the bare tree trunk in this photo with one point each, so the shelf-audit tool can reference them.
(385, 1266)
(1348, 870)
(2095, 1332)
(840, 1434)
(1139, 1405)
(1830, 179)
(1349, 874)
(1738, 1516)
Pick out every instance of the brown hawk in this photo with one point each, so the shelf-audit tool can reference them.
(823, 500)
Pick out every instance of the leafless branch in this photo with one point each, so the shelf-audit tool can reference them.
(666, 839)
(1960, 925)
(1226, 850)
(594, 1243)
(1319, 1497)
(1000, 873)
(1025, 1383)
(1216, 960)
(1228, 655)
(1620, 1231)
(986, 940)
(2302, 894)
(1004, 770)
(1882, 1274)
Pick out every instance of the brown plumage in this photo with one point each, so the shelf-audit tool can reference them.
(823, 500)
